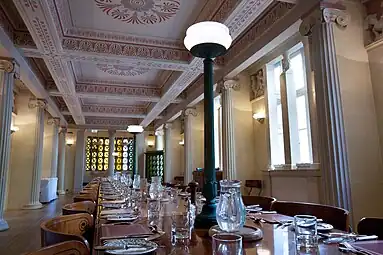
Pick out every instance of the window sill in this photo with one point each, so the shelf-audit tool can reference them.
(303, 170)
(287, 167)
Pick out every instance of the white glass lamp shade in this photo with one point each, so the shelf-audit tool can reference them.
(135, 129)
(208, 33)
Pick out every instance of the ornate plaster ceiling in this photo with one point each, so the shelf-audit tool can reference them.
(123, 62)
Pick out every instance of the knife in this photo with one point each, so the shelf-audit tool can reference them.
(125, 237)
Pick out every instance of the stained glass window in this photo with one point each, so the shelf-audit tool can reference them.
(97, 150)
(123, 161)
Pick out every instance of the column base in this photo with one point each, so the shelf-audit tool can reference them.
(3, 225)
(34, 206)
(61, 192)
(207, 218)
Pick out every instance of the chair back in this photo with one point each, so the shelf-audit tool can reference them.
(85, 197)
(263, 202)
(77, 227)
(79, 207)
(338, 217)
(64, 248)
(371, 226)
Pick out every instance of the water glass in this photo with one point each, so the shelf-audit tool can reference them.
(227, 244)
(136, 182)
(181, 227)
(305, 232)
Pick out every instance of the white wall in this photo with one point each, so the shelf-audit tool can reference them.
(177, 150)
(244, 132)
(198, 137)
(360, 121)
(22, 154)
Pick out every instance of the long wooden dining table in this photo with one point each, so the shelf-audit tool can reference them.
(276, 239)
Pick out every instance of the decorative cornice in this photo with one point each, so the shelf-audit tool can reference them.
(37, 103)
(120, 90)
(122, 49)
(190, 112)
(326, 15)
(109, 121)
(114, 109)
(23, 39)
(59, 101)
(54, 121)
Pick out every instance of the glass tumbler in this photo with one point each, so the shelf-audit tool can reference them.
(181, 227)
(305, 232)
(227, 244)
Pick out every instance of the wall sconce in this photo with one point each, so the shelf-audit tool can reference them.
(69, 140)
(150, 144)
(150, 141)
(182, 142)
(14, 129)
(260, 117)
(94, 131)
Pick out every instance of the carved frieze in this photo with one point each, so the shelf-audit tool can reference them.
(121, 90)
(257, 85)
(121, 70)
(373, 23)
(114, 109)
(110, 121)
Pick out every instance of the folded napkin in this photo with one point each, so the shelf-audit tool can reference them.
(372, 247)
(116, 211)
(124, 230)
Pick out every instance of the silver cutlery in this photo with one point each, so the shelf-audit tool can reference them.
(352, 249)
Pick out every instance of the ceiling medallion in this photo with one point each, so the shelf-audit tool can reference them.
(140, 11)
(122, 70)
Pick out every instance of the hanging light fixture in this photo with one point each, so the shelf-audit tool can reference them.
(208, 40)
(69, 139)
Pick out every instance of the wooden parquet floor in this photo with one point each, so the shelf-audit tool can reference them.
(23, 236)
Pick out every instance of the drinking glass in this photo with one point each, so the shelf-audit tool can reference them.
(227, 244)
(182, 224)
(136, 182)
(155, 190)
(305, 232)
(154, 208)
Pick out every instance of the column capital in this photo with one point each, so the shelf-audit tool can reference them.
(226, 84)
(324, 15)
(63, 130)
(159, 132)
(10, 65)
(190, 112)
(53, 121)
(168, 125)
(37, 103)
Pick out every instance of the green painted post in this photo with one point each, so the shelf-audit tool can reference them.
(207, 217)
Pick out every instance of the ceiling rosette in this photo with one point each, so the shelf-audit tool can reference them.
(140, 11)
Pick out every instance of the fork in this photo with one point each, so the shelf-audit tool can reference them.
(352, 249)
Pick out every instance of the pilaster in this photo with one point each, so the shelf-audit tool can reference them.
(188, 114)
(61, 165)
(55, 143)
(168, 152)
(112, 136)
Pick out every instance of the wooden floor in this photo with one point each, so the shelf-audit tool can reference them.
(24, 233)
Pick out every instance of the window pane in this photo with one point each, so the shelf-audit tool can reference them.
(275, 113)
(301, 112)
(304, 146)
(296, 65)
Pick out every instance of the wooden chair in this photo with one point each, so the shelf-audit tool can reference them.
(257, 184)
(263, 202)
(79, 207)
(64, 248)
(371, 226)
(338, 217)
(75, 227)
(85, 197)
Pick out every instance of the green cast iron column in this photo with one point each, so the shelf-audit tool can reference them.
(207, 218)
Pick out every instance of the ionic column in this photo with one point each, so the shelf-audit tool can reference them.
(159, 140)
(188, 114)
(228, 135)
(112, 135)
(168, 153)
(333, 157)
(79, 161)
(140, 154)
(61, 165)
(9, 71)
(34, 202)
(55, 145)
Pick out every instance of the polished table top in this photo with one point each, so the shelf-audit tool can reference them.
(276, 240)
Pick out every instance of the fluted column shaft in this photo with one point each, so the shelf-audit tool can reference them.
(228, 134)
(55, 145)
(140, 154)
(112, 136)
(9, 71)
(61, 165)
(168, 153)
(333, 153)
(34, 202)
(188, 113)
